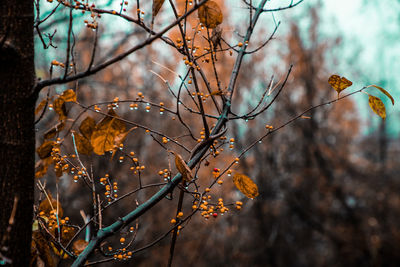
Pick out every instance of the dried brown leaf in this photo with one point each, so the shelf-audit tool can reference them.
(157, 4)
(210, 14)
(44, 150)
(106, 130)
(53, 131)
(245, 185)
(59, 108)
(40, 107)
(83, 144)
(183, 168)
(87, 127)
(69, 95)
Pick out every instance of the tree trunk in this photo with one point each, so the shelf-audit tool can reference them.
(17, 135)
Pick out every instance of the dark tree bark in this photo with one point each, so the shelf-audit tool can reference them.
(17, 135)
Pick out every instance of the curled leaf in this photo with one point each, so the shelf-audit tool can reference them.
(69, 95)
(45, 149)
(40, 107)
(87, 127)
(105, 132)
(377, 106)
(183, 168)
(210, 14)
(339, 83)
(59, 108)
(53, 131)
(157, 4)
(245, 185)
(383, 91)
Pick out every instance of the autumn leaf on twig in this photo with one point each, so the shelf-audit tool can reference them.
(105, 132)
(383, 91)
(245, 185)
(69, 96)
(182, 167)
(377, 105)
(210, 14)
(339, 83)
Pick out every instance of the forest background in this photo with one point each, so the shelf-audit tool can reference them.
(328, 184)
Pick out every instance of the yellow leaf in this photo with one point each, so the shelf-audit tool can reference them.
(339, 84)
(383, 91)
(245, 185)
(183, 168)
(104, 134)
(44, 150)
(53, 131)
(87, 127)
(210, 14)
(377, 106)
(40, 106)
(157, 4)
(59, 108)
(69, 95)
(83, 144)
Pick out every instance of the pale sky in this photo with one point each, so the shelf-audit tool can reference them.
(370, 31)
